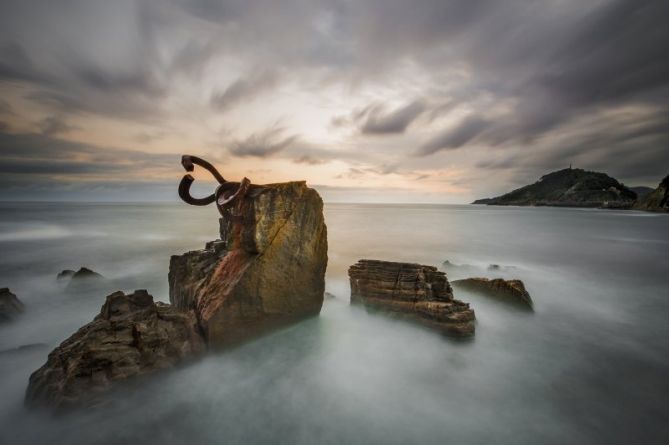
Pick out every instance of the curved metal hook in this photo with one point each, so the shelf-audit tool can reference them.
(184, 193)
(226, 193)
(187, 161)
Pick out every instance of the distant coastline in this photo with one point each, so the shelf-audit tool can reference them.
(573, 187)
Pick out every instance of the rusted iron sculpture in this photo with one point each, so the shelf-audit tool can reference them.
(226, 194)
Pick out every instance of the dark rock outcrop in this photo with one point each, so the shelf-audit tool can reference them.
(10, 305)
(413, 291)
(569, 188)
(85, 273)
(512, 290)
(66, 274)
(657, 200)
(131, 336)
(268, 269)
(84, 279)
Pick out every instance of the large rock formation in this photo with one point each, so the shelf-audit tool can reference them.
(10, 305)
(267, 270)
(412, 291)
(657, 200)
(511, 290)
(131, 336)
(569, 188)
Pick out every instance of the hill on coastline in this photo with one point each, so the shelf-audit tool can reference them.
(657, 200)
(642, 191)
(569, 188)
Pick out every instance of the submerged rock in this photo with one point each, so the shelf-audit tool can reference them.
(83, 279)
(450, 264)
(10, 305)
(85, 274)
(267, 270)
(413, 291)
(65, 275)
(131, 336)
(447, 264)
(508, 289)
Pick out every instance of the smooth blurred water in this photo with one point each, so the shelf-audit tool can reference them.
(591, 365)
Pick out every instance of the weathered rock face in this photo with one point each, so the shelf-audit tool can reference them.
(267, 270)
(10, 305)
(131, 336)
(512, 290)
(411, 290)
(657, 200)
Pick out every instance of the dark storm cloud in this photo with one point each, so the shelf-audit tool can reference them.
(99, 57)
(464, 132)
(50, 167)
(309, 160)
(632, 148)
(263, 144)
(616, 54)
(244, 89)
(385, 169)
(15, 65)
(31, 155)
(54, 125)
(5, 108)
(379, 121)
(525, 73)
(276, 142)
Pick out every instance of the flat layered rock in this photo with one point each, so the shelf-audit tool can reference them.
(267, 270)
(130, 337)
(511, 290)
(413, 291)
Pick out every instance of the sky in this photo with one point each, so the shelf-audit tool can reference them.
(426, 101)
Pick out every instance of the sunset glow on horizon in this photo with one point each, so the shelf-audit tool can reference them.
(366, 101)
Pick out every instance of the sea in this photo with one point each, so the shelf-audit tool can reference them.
(590, 365)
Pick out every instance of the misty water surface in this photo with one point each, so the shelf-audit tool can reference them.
(591, 365)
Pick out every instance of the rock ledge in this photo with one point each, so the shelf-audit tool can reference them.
(131, 336)
(413, 291)
(498, 287)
